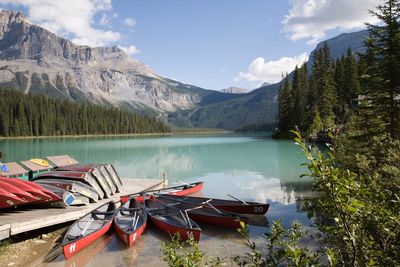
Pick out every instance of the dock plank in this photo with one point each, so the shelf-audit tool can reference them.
(25, 220)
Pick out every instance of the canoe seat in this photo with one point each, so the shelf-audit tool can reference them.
(103, 212)
(73, 237)
(130, 209)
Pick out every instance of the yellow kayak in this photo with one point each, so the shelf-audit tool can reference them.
(40, 162)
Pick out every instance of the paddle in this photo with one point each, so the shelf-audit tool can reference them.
(244, 202)
(87, 226)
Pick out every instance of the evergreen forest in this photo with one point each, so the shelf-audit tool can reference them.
(355, 102)
(39, 115)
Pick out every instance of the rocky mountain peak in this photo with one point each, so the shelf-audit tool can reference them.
(33, 59)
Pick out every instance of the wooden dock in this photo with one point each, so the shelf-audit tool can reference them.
(24, 220)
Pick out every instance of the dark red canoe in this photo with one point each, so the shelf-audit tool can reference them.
(227, 205)
(205, 213)
(8, 199)
(99, 172)
(107, 170)
(72, 186)
(171, 220)
(27, 187)
(130, 221)
(84, 177)
(25, 196)
(179, 190)
(87, 229)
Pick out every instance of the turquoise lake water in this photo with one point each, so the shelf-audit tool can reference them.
(250, 167)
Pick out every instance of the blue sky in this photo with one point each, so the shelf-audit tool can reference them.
(209, 43)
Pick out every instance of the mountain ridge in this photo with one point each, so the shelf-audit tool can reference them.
(34, 60)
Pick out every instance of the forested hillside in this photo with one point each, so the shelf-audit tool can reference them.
(39, 115)
(321, 98)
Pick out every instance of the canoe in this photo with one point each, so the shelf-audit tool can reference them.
(179, 190)
(77, 200)
(27, 187)
(205, 213)
(87, 229)
(227, 205)
(54, 197)
(25, 196)
(130, 221)
(107, 170)
(94, 173)
(171, 220)
(8, 199)
(98, 172)
(84, 177)
(74, 187)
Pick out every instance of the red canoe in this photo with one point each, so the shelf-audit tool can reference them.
(179, 190)
(8, 199)
(87, 229)
(171, 220)
(205, 213)
(227, 205)
(53, 197)
(27, 187)
(130, 221)
(25, 196)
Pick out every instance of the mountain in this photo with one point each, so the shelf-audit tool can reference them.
(234, 90)
(260, 106)
(264, 84)
(35, 60)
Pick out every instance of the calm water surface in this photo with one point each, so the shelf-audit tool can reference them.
(248, 167)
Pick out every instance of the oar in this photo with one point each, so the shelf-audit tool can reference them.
(135, 221)
(87, 226)
(211, 206)
(244, 202)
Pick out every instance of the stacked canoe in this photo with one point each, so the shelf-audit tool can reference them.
(169, 209)
(58, 186)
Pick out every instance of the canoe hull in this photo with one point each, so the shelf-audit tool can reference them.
(227, 205)
(220, 221)
(8, 199)
(126, 217)
(73, 248)
(184, 233)
(27, 187)
(258, 209)
(77, 239)
(129, 238)
(188, 191)
(182, 192)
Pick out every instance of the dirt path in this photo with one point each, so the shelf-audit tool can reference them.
(26, 249)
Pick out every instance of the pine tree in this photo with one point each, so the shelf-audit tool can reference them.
(381, 87)
(285, 105)
(322, 96)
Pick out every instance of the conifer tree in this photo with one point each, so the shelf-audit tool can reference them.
(381, 87)
(285, 105)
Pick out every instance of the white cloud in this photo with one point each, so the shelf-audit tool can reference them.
(310, 19)
(72, 18)
(261, 71)
(130, 22)
(130, 50)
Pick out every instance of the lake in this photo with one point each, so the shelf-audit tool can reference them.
(250, 167)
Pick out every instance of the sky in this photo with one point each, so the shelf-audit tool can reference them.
(212, 44)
